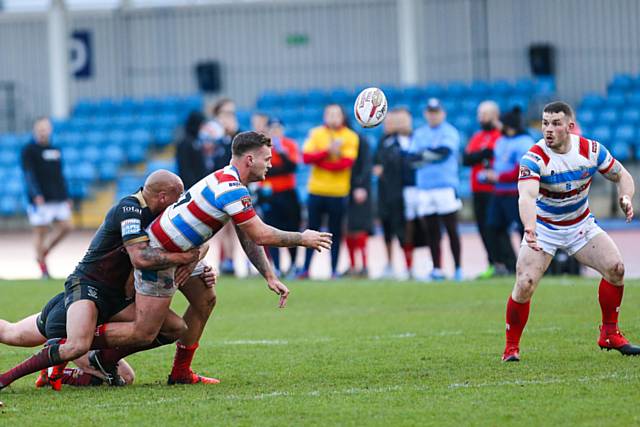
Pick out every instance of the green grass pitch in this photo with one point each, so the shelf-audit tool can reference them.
(360, 353)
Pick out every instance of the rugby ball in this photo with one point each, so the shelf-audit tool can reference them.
(370, 107)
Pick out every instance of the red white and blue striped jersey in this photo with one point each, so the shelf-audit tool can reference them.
(564, 179)
(203, 210)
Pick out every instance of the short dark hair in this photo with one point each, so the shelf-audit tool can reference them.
(559, 107)
(247, 141)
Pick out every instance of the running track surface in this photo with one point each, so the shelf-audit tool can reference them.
(17, 259)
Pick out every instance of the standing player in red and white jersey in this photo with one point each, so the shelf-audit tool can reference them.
(202, 211)
(555, 176)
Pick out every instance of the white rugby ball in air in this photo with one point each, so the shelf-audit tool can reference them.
(370, 107)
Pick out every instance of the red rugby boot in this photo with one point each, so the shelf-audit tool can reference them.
(612, 339)
(511, 354)
(190, 377)
(43, 379)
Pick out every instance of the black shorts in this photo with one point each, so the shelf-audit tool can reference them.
(108, 300)
(52, 320)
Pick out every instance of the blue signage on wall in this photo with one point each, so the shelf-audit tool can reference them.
(81, 54)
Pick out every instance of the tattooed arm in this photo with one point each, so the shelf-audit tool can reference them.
(144, 257)
(266, 235)
(256, 255)
(626, 188)
(258, 258)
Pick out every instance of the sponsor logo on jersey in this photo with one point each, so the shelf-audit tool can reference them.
(246, 202)
(524, 172)
(130, 226)
(128, 209)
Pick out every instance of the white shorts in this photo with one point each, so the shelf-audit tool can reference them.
(419, 203)
(45, 214)
(160, 283)
(569, 239)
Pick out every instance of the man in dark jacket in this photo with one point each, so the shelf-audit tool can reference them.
(360, 208)
(49, 203)
(393, 174)
(189, 154)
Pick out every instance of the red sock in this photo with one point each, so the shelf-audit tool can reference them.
(361, 243)
(48, 356)
(351, 247)
(408, 255)
(610, 298)
(517, 316)
(76, 377)
(182, 359)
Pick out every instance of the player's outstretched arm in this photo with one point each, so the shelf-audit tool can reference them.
(626, 187)
(266, 235)
(144, 257)
(258, 258)
(528, 192)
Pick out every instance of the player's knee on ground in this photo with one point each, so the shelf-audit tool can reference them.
(615, 273)
(126, 372)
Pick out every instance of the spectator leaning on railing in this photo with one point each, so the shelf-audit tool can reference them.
(331, 149)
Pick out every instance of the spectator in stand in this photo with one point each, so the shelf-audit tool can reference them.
(189, 152)
(503, 208)
(260, 123)
(434, 201)
(224, 113)
(391, 169)
(360, 209)
(279, 198)
(479, 155)
(49, 203)
(331, 150)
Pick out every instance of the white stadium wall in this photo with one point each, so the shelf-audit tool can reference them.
(302, 44)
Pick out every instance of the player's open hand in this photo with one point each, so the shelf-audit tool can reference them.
(627, 207)
(316, 240)
(279, 288)
(531, 238)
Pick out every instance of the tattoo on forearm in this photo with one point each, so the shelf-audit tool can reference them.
(157, 257)
(255, 253)
(287, 239)
(615, 173)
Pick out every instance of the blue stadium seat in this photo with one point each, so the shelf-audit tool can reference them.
(85, 171)
(107, 170)
(608, 116)
(393, 94)
(480, 89)
(118, 137)
(518, 101)
(71, 155)
(341, 96)
(74, 139)
(433, 90)
(126, 107)
(535, 133)
(469, 105)
(620, 82)
(313, 115)
(124, 122)
(621, 150)
(191, 103)
(9, 157)
(168, 164)
(524, 87)
(294, 99)
(457, 89)
(13, 187)
(502, 88)
(95, 139)
(586, 116)
(464, 123)
(545, 86)
(84, 108)
(593, 101)
(625, 133)
(163, 136)
(105, 107)
(633, 99)
(630, 115)
(602, 133)
(136, 153)
(269, 100)
(151, 105)
(617, 101)
(9, 205)
(91, 153)
(78, 188)
(413, 94)
(113, 153)
(318, 97)
(80, 124)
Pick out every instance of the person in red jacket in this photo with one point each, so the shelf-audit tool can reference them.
(479, 155)
(280, 204)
